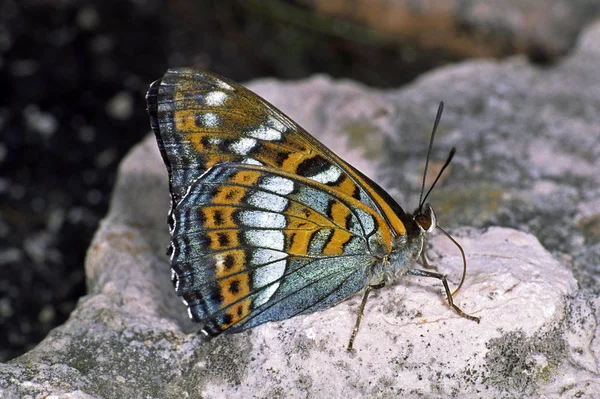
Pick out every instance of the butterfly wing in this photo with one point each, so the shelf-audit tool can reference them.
(201, 119)
(239, 260)
(253, 244)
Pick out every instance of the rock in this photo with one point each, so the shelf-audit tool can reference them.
(467, 29)
(525, 177)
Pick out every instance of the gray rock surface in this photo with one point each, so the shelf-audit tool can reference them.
(527, 179)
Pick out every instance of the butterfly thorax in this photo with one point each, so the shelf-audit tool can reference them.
(407, 248)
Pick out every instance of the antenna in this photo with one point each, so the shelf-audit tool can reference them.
(464, 258)
(435, 126)
(450, 156)
(422, 198)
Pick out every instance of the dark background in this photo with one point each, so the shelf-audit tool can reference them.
(73, 76)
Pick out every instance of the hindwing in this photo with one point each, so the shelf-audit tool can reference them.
(253, 244)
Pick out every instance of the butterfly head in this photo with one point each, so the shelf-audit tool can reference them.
(425, 219)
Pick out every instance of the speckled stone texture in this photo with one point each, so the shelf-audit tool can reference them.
(525, 179)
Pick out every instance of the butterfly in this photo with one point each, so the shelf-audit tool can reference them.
(266, 222)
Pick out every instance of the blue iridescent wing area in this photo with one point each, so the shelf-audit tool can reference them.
(253, 244)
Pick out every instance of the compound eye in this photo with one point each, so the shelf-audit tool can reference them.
(424, 221)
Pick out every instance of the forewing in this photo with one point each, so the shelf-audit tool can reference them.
(201, 119)
(253, 244)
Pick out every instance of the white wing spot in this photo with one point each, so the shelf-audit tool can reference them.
(210, 119)
(215, 141)
(268, 275)
(261, 256)
(273, 239)
(215, 98)
(220, 261)
(243, 146)
(223, 85)
(277, 125)
(278, 185)
(251, 161)
(265, 133)
(262, 219)
(329, 175)
(266, 294)
(266, 201)
(175, 278)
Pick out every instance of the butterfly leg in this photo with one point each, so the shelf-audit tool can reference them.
(361, 311)
(425, 261)
(425, 273)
